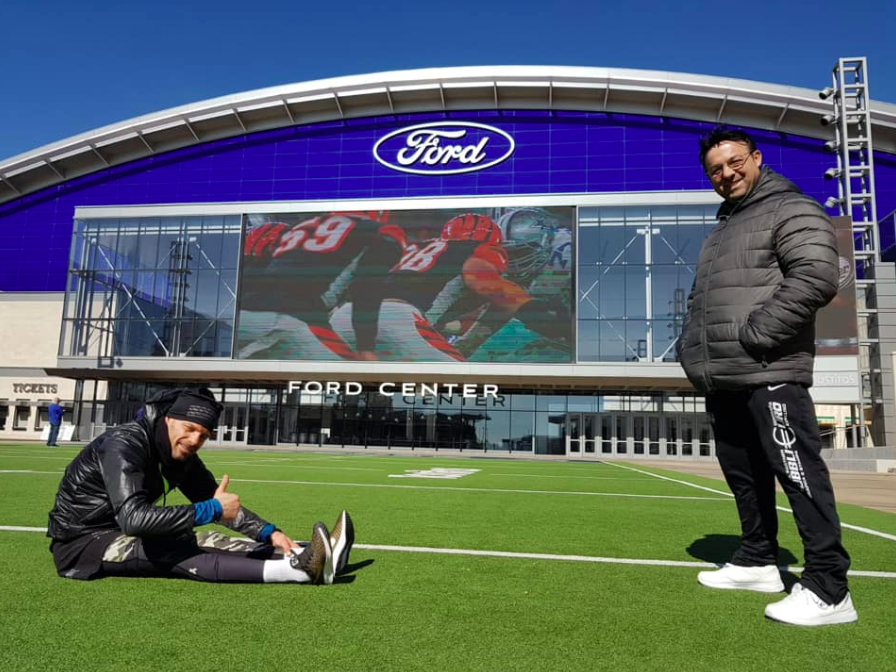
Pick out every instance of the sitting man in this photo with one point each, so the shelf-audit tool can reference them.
(105, 522)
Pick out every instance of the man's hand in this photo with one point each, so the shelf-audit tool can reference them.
(230, 503)
(281, 542)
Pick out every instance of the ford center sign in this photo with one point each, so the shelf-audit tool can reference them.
(444, 148)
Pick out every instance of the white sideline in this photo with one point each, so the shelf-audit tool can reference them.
(536, 556)
(855, 528)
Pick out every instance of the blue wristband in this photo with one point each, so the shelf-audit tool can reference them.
(265, 535)
(207, 511)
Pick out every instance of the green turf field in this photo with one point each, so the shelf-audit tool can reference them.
(625, 597)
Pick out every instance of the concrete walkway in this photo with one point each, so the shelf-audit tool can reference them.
(876, 491)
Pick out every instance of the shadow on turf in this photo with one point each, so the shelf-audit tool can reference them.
(349, 575)
(718, 548)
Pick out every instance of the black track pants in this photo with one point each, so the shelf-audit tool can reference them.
(770, 432)
(190, 558)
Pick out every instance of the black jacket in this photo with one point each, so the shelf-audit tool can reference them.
(765, 269)
(116, 479)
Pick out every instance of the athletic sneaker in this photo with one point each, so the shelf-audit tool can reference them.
(803, 607)
(316, 560)
(766, 579)
(342, 539)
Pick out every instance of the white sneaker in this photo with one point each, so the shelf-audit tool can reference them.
(803, 607)
(766, 579)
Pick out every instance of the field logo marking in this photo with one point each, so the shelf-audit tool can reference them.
(438, 472)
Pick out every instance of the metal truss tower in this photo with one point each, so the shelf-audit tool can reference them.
(875, 282)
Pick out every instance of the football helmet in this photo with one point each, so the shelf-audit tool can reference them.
(470, 226)
(528, 238)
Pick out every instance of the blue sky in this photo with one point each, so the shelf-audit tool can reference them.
(71, 67)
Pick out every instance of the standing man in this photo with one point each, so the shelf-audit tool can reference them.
(748, 344)
(110, 517)
(55, 412)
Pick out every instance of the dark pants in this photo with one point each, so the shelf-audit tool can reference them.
(54, 433)
(770, 432)
(204, 557)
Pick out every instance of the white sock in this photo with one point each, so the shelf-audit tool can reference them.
(280, 571)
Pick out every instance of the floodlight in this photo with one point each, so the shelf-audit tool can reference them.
(828, 119)
(827, 92)
(832, 173)
(832, 202)
(832, 146)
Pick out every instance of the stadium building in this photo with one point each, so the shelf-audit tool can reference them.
(478, 258)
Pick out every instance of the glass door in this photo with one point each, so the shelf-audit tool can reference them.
(590, 423)
(233, 427)
(574, 436)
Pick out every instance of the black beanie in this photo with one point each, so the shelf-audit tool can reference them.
(197, 406)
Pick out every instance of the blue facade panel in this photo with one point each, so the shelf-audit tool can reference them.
(559, 152)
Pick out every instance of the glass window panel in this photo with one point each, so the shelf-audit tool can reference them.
(550, 433)
(500, 401)
(523, 401)
(148, 257)
(551, 402)
(610, 292)
(447, 401)
(425, 421)
(522, 431)
(635, 291)
(636, 340)
(583, 403)
(478, 420)
(498, 432)
(589, 245)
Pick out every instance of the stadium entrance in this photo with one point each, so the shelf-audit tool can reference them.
(541, 422)
(601, 435)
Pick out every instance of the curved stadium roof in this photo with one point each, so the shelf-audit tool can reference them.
(685, 96)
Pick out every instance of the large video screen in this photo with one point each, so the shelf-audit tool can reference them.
(452, 285)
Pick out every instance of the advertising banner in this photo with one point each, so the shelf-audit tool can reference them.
(836, 330)
(452, 285)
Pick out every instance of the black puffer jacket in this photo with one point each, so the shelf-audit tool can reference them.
(765, 269)
(114, 481)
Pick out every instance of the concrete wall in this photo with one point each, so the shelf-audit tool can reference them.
(29, 338)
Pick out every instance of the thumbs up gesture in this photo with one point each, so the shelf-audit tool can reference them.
(230, 503)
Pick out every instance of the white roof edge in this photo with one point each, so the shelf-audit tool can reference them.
(562, 76)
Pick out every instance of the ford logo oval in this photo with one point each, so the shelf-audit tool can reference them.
(444, 148)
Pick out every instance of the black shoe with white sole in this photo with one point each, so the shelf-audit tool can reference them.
(316, 560)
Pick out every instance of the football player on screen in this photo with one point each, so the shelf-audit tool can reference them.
(464, 266)
(295, 275)
(540, 260)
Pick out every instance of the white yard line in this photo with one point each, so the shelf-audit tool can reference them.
(29, 471)
(483, 490)
(571, 478)
(38, 457)
(534, 556)
(294, 466)
(17, 528)
(585, 558)
(447, 489)
(855, 528)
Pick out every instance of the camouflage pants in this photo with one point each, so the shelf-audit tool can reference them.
(123, 547)
(206, 556)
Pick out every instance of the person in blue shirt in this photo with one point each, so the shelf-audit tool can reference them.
(55, 412)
